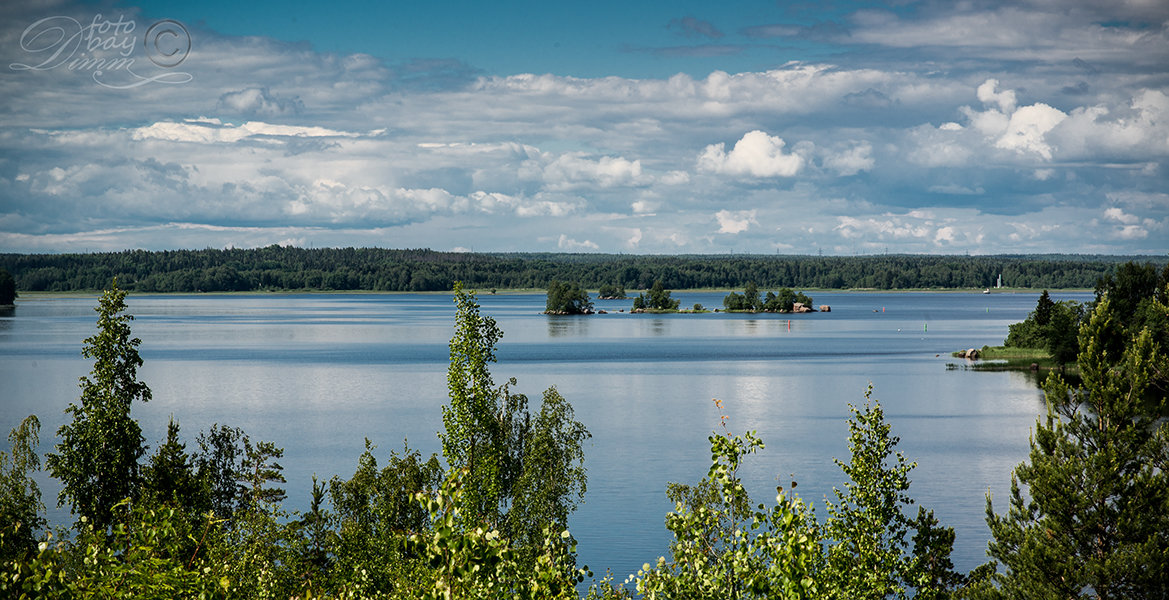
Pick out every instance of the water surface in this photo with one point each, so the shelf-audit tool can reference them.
(319, 373)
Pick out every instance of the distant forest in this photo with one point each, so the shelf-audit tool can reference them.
(376, 269)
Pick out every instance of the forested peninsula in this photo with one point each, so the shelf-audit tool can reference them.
(280, 268)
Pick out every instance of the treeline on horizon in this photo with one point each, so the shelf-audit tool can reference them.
(281, 268)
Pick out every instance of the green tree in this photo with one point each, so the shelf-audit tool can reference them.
(219, 462)
(134, 558)
(567, 299)
(97, 457)
(170, 476)
(871, 556)
(473, 423)
(1093, 520)
(376, 510)
(1043, 309)
(7, 288)
(552, 480)
(751, 297)
(656, 298)
(1061, 333)
(784, 301)
(20, 497)
(258, 473)
(725, 548)
(734, 301)
(610, 291)
(512, 464)
(1052, 326)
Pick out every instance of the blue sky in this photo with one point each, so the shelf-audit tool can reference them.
(845, 128)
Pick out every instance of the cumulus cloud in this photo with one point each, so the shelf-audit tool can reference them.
(735, 221)
(756, 154)
(1027, 128)
(1020, 129)
(1118, 215)
(988, 94)
(1137, 130)
(571, 245)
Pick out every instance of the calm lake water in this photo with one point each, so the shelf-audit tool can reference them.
(317, 374)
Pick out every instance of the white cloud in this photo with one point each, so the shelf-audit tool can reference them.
(634, 239)
(1023, 130)
(756, 154)
(1027, 127)
(1137, 130)
(1118, 215)
(644, 206)
(569, 244)
(987, 94)
(213, 131)
(574, 170)
(857, 158)
(735, 221)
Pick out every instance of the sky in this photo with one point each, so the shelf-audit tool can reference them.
(651, 127)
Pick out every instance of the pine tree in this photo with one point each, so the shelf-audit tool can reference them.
(1094, 521)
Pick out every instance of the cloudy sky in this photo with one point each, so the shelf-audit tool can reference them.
(840, 127)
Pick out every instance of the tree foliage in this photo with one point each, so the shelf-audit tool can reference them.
(656, 298)
(522, 474)
(567, 299)
(7, 288)
(97, 457)
(1092, 522)
(726, 547)
(1052, 326)
(278, 267)
(870, 523)
(610, 291)
(20, 496)
(782, 302)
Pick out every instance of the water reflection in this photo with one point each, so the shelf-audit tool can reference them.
(568, 326)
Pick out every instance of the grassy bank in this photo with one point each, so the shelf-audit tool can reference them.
(1004, 358)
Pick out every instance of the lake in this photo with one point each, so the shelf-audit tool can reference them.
(319, 373)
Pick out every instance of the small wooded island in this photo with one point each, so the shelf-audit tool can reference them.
(7, 289)
(572, 299)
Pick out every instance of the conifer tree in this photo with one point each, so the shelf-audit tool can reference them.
(1093, 521)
